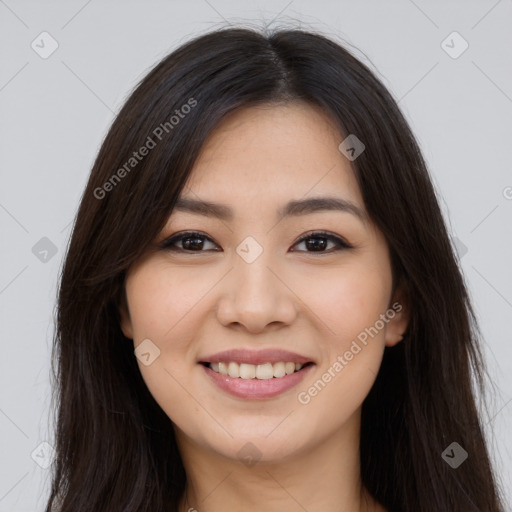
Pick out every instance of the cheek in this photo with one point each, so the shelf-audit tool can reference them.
(163, 305)
(161, 301)
(352, 347)
(346, 301)
(349, 303)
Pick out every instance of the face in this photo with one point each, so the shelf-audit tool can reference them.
(262, 287)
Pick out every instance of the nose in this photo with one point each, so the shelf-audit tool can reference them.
(255, 296)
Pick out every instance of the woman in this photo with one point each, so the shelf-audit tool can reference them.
(260, 308)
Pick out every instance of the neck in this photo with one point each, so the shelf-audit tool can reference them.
(324, 477)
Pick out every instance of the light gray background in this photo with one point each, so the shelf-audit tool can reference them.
(56, 111)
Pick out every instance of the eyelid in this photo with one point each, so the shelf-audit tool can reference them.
(167, 244)
(324, 234)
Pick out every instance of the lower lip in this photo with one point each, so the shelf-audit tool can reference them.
(255, 388)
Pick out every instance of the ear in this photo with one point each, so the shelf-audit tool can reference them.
(399, 316)
(125, 320)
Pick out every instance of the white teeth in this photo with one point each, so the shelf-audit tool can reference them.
(261, 371)
(280, 369)
(247, 371)
(234, 370)
(289, 368)
(264, 371)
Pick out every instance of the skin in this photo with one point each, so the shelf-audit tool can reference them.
(197, 303)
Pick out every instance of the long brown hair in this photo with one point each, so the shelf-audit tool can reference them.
(115, 447)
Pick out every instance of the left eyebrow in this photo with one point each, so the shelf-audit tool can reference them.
(291, 209)
(316, 204)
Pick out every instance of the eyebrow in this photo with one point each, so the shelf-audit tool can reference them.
(292, 208)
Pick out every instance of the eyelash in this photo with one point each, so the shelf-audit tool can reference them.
(168, 244)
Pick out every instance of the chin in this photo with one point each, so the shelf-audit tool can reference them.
(252, 450)
(268, 441)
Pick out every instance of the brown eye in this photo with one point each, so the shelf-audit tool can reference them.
(191, 241)
(319, 240)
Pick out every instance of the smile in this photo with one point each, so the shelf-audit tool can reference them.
(256, 382)
(260, 371)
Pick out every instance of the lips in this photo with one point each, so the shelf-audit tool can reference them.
(263, 384)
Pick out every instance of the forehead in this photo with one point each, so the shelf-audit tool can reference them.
(274, 152)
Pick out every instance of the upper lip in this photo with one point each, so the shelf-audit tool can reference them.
(269, 355)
